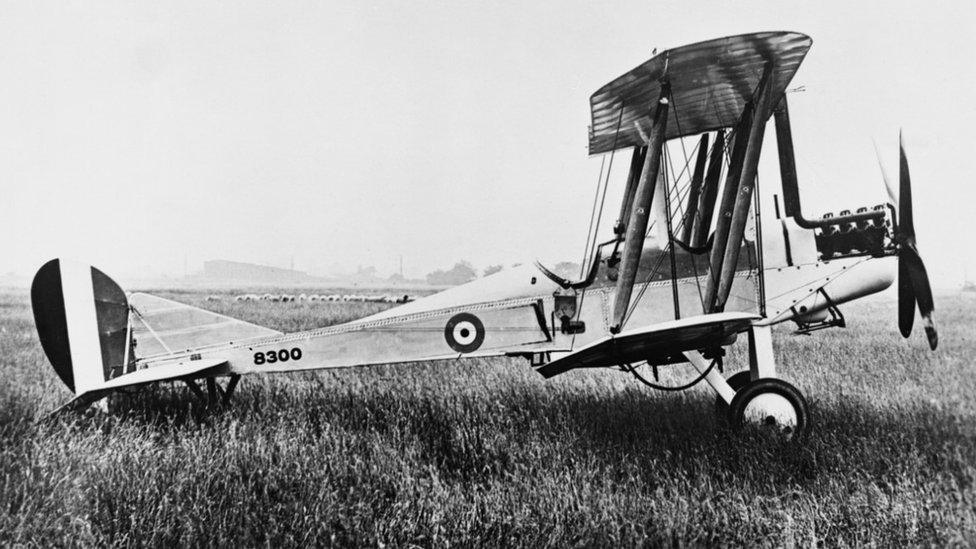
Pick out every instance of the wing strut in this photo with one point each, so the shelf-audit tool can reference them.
(636, 228)
(724, 211)
(737, 197)
(636, 162)
(747, 183)
(703, 221)
(694, 194)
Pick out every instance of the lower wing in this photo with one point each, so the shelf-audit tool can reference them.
(659, 342)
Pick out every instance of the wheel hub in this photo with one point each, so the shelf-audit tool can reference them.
(772, 405)
(770, 409)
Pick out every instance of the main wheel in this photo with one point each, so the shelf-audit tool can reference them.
(737, 381)
(770, 404)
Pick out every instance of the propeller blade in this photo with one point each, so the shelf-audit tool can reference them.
(906, 224)
(884, 177)
(910, 262)
(906, 298)
(913, 280)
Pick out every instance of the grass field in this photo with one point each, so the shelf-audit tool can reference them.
(489, 453)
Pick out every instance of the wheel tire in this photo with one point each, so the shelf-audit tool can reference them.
(737, 381)
(770, 402)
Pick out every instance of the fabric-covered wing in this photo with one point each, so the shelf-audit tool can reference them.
(711, 82)
(660, 340)
(161, 326)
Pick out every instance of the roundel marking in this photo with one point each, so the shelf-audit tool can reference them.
(464, 332)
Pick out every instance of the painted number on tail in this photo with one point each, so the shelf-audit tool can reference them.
(282, 355)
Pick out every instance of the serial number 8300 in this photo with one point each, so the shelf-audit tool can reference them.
(284, 355)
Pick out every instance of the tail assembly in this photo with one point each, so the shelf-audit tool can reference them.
(83, 322)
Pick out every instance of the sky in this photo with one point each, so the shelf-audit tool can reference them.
(147, 137)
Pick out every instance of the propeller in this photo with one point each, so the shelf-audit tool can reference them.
(913, 280)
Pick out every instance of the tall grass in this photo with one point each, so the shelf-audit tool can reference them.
(489, 453)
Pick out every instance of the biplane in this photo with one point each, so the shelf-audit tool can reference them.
(690, 265)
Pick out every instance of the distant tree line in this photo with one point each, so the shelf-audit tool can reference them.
(460, 273)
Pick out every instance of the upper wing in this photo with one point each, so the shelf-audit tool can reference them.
(657, 341)
(161, 326)
(711, 82)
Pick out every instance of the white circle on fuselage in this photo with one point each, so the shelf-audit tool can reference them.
(464, 332)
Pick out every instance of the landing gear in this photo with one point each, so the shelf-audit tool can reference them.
(215, 395)
(756, 397)
(770, 404)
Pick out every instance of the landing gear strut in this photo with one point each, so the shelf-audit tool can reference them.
(757, 398)
(736, 381)
(215, 395)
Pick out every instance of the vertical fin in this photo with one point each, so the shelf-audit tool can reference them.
(82, 321)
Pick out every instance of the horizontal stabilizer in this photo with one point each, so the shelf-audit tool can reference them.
(661, 340)
(190, 369)
(161, 326)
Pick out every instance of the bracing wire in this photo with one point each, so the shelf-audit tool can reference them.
(681, 194)
(698, 214)
(681, 140)
(593, 231)
(685, 210)
(654, 270)
(698, 218)
(589, 230)
(603, 198)
(670, 236)
(677, 178)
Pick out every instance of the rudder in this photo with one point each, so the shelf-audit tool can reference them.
(82, 319)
